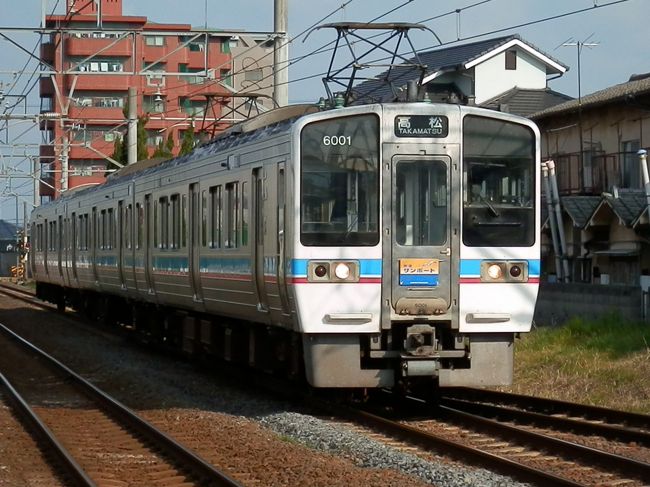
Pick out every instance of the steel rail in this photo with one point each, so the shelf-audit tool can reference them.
(204, 470)
(540, 404)
(44, 435)
(597, 458)
(609, 431)
(448, 447)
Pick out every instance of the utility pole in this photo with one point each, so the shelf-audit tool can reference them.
(132, 136)
(281, 54)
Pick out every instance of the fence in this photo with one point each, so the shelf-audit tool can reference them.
(557, 302)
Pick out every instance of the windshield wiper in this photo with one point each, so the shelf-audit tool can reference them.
(492, 209)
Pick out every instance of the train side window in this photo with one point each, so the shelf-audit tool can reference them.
(232, 215)
(155, 224)
(95, 229)
(101, 227)
(110, 229)
(163, 224)
(127, 226)
(216, 220)
(85, 240)
(175, 211)
(184, 221)
(204, 219)
(140, 214)
(244, 214)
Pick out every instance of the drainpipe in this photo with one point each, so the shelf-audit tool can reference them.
(552, 222)
(558, 215)
(643, 156)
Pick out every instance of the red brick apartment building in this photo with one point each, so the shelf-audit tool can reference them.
(97, 55)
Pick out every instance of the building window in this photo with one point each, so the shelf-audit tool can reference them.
(99, 65)
(192, 107)
(631, 172)
(154, 138)
(511, 60)
(154, 40)
(225, 46)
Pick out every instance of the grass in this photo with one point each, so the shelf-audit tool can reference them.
(604, 363)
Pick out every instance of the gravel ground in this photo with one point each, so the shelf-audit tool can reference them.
(199, 407)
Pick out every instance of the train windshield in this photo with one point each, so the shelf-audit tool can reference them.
(499, 183)
(339, 182)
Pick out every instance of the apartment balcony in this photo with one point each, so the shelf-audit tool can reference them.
(80, 152)
(87, 46)
(592, 173)
(100, 82)
(47, 52)
(46, 154)
(115, 114)
(45, 187)
(85, 181)
(46, 87)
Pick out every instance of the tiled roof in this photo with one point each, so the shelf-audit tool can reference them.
(580, 208)
(629, 204)
(447, 58)
(614, 93)
(524, 102)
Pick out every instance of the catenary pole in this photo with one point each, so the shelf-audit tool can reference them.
(281, 54)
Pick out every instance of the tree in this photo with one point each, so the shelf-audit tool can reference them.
(121, 146)
(165, 148)
(187, 145)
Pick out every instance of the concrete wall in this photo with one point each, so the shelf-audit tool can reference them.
(557, 302)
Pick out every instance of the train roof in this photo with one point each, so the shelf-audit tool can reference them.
(269, 123)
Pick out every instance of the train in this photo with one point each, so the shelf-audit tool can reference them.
(384, 245)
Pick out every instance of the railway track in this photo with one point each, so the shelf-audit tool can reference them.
(94, 438)
(469, 425)
(530, 456)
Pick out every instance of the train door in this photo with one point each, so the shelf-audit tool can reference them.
(148, 242)
(281, 251)
(60, 239)
(74, 237)
(194, 244)
(94, 243)
(120, 243)
(421, 238)
(258, 237)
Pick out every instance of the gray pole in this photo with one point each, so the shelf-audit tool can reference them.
(281, 54)
(643, 160)
(37, 178)
(132, 138)
(553, 224)
(65, 152)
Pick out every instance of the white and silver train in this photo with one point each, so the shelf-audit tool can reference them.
(367, 246)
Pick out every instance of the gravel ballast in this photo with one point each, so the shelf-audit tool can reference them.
(160, 387)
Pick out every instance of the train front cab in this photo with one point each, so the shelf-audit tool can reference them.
(417, 258)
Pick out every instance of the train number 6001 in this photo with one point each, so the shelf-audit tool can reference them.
(337, 140)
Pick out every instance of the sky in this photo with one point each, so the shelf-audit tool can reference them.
(617, 27)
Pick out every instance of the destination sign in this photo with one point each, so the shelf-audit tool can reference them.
(421, 126)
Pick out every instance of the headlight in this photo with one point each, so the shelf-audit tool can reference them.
(329, 271)
(342, 271)
(494, 272)
(504, 271)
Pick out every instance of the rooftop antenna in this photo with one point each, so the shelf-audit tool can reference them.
(351, 33)
(579, 45)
